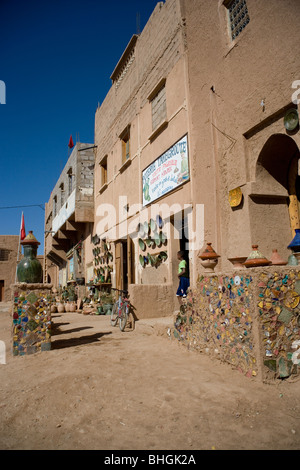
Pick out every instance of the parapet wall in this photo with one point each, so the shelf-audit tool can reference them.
(249, 319)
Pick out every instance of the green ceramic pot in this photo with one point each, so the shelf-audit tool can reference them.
(30, 269)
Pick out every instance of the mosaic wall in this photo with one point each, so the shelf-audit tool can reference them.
(250, 321)
(217, 319)
(279, 318)
(31, 321)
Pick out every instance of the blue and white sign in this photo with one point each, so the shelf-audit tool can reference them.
(167, 172)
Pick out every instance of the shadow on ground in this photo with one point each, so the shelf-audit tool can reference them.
(71, 342)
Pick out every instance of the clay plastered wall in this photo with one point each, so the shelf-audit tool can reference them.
(249, 320)
(260, 65)
(8, 268)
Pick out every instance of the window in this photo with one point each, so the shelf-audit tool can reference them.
(62, 194)
(55, 206)
(125, 139)
(103, 171)
(238, 16)
(70, 182)
(159, 108)
(4, 254)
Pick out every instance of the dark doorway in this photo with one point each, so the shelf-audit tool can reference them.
(1, 291)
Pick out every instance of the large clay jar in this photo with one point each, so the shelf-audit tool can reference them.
(72, 307)
(30, 269)
(53, 308)
(61, 307)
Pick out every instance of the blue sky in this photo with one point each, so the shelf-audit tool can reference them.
(56, 58)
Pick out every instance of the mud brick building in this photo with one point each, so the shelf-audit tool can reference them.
(9, 245)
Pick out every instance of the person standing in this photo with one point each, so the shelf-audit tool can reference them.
(183, 275)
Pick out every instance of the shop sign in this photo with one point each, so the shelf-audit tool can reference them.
(167, 172)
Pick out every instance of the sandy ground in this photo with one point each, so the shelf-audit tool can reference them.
(99, 388)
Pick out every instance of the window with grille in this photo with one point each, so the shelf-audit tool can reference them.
(238, 17)
(4, 254)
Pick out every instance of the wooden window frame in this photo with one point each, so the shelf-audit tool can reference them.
(125, 143)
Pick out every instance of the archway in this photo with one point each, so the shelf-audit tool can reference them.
(278, 168)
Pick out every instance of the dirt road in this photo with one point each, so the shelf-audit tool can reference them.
(99, 388)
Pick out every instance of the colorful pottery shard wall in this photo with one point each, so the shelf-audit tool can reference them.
(31, 327)
(250, 320)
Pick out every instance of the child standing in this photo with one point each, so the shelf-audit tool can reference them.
(183, 275)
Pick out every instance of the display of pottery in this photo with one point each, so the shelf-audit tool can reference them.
(276, 259)
(29, 268)
(256, 258)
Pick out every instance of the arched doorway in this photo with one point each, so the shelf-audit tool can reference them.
(275, 207)
(279, 159)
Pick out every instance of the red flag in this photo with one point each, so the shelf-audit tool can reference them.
(22, 231)
(71, 143)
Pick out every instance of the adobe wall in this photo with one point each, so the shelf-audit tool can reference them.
(8, 268)
(249, 319)
(229, 81)
(152, 301)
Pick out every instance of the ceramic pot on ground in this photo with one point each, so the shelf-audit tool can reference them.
(72, 307)
(61, 307)
(53, 308)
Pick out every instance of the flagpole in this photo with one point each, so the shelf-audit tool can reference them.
(18, 254)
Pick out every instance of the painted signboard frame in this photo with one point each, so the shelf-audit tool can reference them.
(169, 171)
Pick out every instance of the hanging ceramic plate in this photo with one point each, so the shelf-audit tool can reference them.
(291, 120)
(159, 221)
(142, 244)
(157, 239)
(163, 237)
(235, 197)
(146, 228)
(110, 256)
(163, 255)
(148, 242)
(140, 230)
(146, 260)
(142, 261)
(152, 259)
(108, 246)
(152, 225)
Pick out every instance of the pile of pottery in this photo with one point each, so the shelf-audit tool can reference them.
(209, 258)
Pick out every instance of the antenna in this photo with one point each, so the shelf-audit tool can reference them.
(138, 23)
